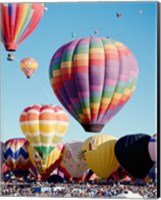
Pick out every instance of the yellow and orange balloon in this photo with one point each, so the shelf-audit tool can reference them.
(28, 66)
(45, 168)
(44, 127)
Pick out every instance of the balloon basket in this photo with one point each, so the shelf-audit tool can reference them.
(93, 127)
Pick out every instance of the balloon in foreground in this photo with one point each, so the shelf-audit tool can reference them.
(99, 154)
(16, 156)
(73, 163)
(44, 127)
(132, 154)
(152, 147)
(93, 78)
(46, 167)
(28, 66)
(18, 21)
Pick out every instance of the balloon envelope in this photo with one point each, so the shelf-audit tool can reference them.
(45, 167)
(152, 147)
(18, 21)
(28, 66)
(99, 154)
(44, 127)
(132, 154)
(73, 163)
(93, 78)
(16, 156)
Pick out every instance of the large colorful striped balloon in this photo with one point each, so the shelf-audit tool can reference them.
(16, 156)
(28, 66)
(93, 78)
(44, 127)
(18, 21)
(73, 163)
(152, 148)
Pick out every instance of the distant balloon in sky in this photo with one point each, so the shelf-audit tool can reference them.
(46, 9)
(44, 127)
(118, 14)
(96, 32)
(132, 153)
(18, 21)
(99, 154)
(140, 11)
(73, 35)
(152, 147)
(28, 66)
(93, 78)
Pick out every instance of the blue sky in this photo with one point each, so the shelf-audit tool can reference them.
(137, 31)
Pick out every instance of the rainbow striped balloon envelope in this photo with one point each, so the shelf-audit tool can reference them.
(93, 78)
(18, 21)
(28, 66)
(44, 127)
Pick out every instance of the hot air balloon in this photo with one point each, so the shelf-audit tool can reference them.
(132, 153)
(96, 32)
(152, 148)
(28, 66)
(46, 167)
(93, 78)
(16, 156)
(73, 35)
(99, 154)
(73, 163)
(18, 21)
(44, 127)
(140, 11)
(118, 14)
(5, 169)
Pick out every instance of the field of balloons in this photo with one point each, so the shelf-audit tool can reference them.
(93, 78)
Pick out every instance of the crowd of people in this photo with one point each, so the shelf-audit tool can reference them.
(76, 189)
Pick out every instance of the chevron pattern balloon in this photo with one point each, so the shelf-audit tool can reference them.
(44, 127)
(93, 78)
(18, 21)
(16, 156)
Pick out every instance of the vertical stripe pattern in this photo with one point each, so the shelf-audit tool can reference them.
(18, 21)
(93, 78)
